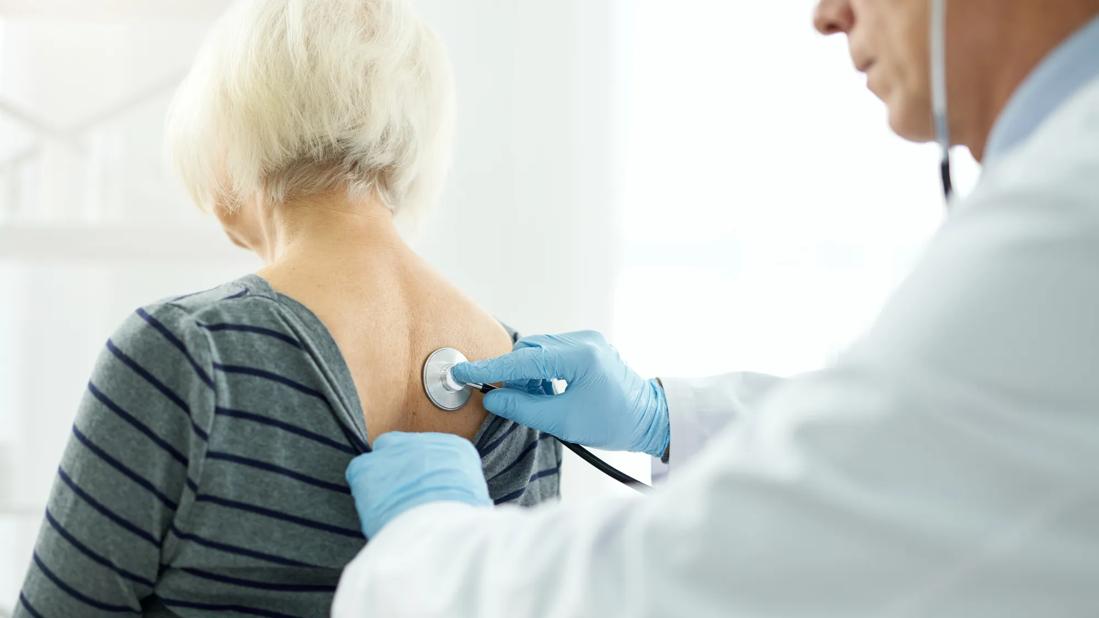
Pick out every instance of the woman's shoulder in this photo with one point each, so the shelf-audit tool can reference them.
(187, 322)
(247, 303)
(248, 294)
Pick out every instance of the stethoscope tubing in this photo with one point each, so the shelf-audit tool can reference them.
(588, 456)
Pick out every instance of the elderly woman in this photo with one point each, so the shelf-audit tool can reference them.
(205, 474)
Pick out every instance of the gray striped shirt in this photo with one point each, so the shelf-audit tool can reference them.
(205, 473)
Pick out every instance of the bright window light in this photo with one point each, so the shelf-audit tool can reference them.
(767, 210)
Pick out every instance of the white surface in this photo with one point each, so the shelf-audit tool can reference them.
(119, 243)
(944, 466)
(111, 10)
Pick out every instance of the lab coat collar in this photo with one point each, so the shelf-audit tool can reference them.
(1063, 73)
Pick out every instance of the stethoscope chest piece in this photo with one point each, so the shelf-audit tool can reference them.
(439, 385)
(448, 394)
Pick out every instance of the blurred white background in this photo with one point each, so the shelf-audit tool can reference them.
(707, 181)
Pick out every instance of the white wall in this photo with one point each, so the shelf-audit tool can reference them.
(768, 210)
(528, 225)
(525, 224)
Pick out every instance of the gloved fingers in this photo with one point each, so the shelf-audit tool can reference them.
(539, 341)
(400, 445)
(591, 337)
(534, 411)
(571, 352)
(533, 363)
(534, 387)
(406, 470)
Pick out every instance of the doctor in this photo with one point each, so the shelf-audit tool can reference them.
(946, 465)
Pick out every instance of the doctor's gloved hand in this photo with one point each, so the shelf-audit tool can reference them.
(606, 404)
(406, 470)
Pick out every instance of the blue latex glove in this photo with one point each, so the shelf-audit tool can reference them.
(406, 470)
(606, 404)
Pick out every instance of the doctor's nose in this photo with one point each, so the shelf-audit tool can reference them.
(834, 17)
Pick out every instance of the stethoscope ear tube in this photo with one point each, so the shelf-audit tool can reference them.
(591, 458)
(940, 109)
(605, 467)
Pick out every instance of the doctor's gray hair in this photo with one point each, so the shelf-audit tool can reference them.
(295, 98)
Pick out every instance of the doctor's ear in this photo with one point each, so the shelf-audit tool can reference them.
(834, 17)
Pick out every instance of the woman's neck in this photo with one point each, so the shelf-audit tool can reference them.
(385, 308)
(332, 229)
(333, 239)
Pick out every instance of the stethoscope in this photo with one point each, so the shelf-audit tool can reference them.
(450, 395)
(939, 107)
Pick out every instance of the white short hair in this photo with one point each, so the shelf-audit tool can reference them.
(296, 98)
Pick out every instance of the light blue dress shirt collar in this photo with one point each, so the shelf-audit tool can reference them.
(1061, 75)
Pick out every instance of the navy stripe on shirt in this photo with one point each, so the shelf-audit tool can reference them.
(544, 473)
(236, 550)
(258, 330)
(27, 604)
(489, 431)
(158, 385)
(273, 514)
(305, 433)
(117, 465)
(129, 418)
(534, 477)
(509, 497)
(498, 441)
(171, 337)
(87, 551)
(527, 450)
(218, 607)
(76, 594)
(269, 467)
(248, 583)
(301, 388)
(106, 512)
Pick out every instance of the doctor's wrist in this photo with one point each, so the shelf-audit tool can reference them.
(658, 436)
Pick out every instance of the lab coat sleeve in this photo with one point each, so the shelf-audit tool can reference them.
(838, 497)
(944, 466)
(699, 409)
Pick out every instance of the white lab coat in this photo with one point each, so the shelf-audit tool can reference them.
(947, 465)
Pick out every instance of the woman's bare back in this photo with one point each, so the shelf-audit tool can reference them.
(387, 315)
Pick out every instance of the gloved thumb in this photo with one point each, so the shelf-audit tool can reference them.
(530, 410)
